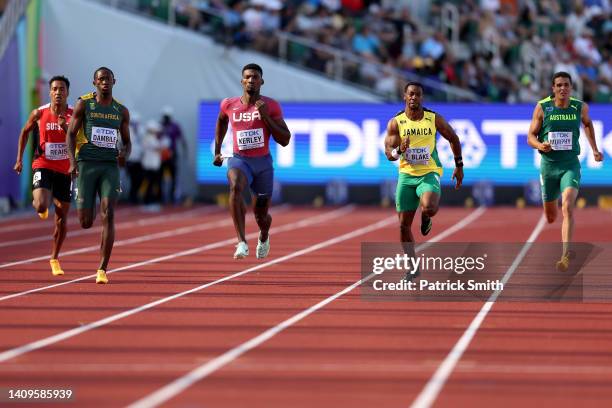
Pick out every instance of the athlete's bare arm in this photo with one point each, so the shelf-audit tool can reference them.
(392, 140)
(75, 124)
(278, 128)
(534, 131)
(126, 141)
(220, 130)
(23, 139)
(589, 131)
(449, 134)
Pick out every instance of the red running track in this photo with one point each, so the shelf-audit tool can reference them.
(113, 347)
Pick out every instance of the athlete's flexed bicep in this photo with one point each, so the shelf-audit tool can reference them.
(534, 130)
(126, 140)
(220, 131)
(392, 140)
(449, 134)
(589, 131)
(23, 139)
(75, 124)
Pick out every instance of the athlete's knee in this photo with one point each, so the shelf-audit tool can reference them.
(429, 210)
(261, 202)
(86, 221)
(235, 188)
(550, 213)
(107, 215)
(39, 205)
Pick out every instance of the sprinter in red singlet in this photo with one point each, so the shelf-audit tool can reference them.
(253, 118)
(51, 179)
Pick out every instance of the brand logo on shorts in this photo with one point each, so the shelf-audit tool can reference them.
(37, 177)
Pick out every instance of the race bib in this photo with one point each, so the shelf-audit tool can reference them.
(104, 137)
(56, 151)
(250, 139)
(560, 140)
(418, 155)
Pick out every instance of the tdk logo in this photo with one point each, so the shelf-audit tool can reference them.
(245, 116)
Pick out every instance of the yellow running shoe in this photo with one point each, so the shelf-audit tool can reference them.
(44, 215)
(563, 263)
(56, 269)
(101, 276)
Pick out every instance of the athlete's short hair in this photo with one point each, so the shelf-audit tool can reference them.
(561, 74)
(104, 69)
(254, 67)
(412, 83)
(60, 78)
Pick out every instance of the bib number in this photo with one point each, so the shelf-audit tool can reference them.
(250, 139)
(418, 155)
(104, 137)
(560, 140)
(56, 151)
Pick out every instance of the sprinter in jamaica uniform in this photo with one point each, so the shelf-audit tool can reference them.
(554, 131)
(97, 124)
(411, 138)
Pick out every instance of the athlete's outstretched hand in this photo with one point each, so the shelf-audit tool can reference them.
(458, 177)
(545, 147)
(218, 160)
(121, 159)
(405, 144)
(73, 170)
(18, 167)
(261, 107)
(598, 156)
(61, 121)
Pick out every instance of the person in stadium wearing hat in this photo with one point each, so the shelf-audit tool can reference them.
(253, 118)
(98, 122)
(51, 177)
(554, 132)
(411, 139)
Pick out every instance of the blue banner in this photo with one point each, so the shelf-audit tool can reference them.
(346, 141)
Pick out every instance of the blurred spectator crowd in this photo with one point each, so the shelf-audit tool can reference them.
(501, 50)
(151, 169)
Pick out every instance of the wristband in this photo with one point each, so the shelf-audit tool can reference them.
(395, 154)
(458, 161)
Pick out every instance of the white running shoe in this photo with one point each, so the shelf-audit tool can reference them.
(242, 250)
(263, 248)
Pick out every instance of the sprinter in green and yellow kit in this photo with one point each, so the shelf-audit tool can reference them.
(411, 138)
(98, 123)
(554, 131)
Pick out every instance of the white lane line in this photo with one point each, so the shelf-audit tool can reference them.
(169, 234)
(282, 368)
(136, 240)
(37, 223)
(180, 384)
(129, 224)
(435, 384)
(18, 351)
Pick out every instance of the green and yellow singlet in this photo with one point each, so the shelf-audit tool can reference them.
(561, 128)
(422, 156)
(97, 138)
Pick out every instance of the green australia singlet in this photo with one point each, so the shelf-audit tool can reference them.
(97, 138)
(561, 128)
